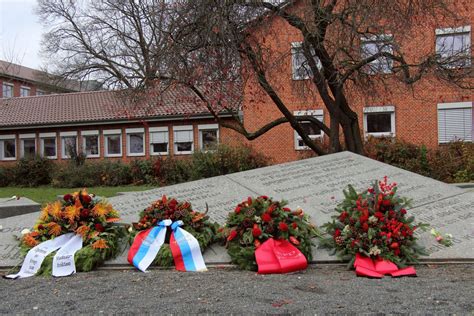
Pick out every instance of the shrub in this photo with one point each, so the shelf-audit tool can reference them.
(92, 174)
(6, 176)
(31, 172)
(453, 162)
(142, 171)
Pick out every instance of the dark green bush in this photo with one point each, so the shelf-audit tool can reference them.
(6, 176)
(31, 172)
(453, 162)
(142, 171)
(103, 173)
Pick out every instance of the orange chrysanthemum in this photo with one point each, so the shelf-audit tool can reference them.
(93, 234)
(100, 244)
(198, 217)
(54, 209)
(82, 230)
(54, 228)
(102, 209)
(71, 213)
(29, 240)
(44, 214)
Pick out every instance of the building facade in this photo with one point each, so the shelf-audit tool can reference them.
(431, 112)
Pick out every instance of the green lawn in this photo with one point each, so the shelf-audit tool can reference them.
(48, 194)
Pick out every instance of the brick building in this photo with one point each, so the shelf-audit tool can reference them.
(102, 126)
(21, 81)
(431, 112)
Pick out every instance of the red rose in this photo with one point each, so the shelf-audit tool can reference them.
(85, 212)
(294, 241)
(232, 235)
(249, 200)
(99, 227)
(337, 232)
(172, 204)
(365, 226)
(86, 198)
(386, 202)
(394, 245)
(286, 209)
(271, 208)
(403, 211)
(264, 197)
(256, 231)
(283, 226)
(40, 227)
(343, 216)
(266, 217)
(294, 225)
(379, 215)
(237, 209)
(67, 197)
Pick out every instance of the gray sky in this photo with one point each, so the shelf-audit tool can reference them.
(20, 33)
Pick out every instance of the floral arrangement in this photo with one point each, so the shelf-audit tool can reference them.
(375, 224)
(446, 240)
(196, 223)
(85, 215)
(255, 220)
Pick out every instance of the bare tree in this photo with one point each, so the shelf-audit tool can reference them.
(215, 48)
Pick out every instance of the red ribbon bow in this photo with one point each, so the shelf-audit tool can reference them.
(377, 268)
(279, 256)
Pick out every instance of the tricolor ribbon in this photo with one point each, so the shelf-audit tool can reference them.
(377, 268)
(63, 260)
(184, 247)
(146, 245)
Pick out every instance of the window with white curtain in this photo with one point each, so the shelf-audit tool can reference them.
(183, 139)
(455, 122)
(159, 140)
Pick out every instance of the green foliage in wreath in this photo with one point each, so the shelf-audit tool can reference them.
(257, 219)
(375, 224)
(196, 223)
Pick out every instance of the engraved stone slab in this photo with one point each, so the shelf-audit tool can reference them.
(14, 207)
(314, 184)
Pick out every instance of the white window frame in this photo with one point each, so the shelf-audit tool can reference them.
(318, 114)
(3, 138)
(207, 127)
(27, 89)
(64, 135)
(40, 92)
(42, 138)
(454, 106)
(108, 133)
(129, 132)
(294, 74)
(380, 110)
(160, 129)
(455, 31)
(375, 39)
(85, 134)
(175, 143)
(24, 137)
(3, 90)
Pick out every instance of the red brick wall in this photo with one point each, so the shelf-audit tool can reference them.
(415, 108)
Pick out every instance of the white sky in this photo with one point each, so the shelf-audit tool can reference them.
(20, 33)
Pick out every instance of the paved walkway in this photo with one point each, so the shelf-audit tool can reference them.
(439, 289)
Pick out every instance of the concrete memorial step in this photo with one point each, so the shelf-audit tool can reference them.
(17, 206)
(314, 184)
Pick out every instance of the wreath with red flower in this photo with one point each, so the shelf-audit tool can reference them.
(255, 220)
(375, 224)
(195, 223)
(85, 215)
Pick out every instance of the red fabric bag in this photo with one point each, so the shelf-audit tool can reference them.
(279, 256)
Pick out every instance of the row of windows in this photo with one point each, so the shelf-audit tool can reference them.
(183, 141)
(452, 45)
(455, 122)
(7, 91)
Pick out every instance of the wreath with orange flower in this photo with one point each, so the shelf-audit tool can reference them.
(194, 222)
(85, 215)
(255, 220)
